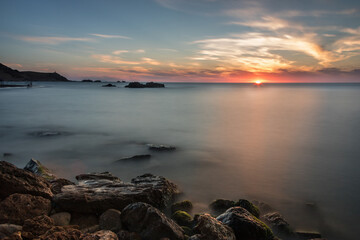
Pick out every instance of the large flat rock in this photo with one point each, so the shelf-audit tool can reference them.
(95, 193)
(16, 180)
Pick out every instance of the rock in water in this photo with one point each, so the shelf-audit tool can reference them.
(136, 157)
(161, 147)
(149, 222)
(221, 205)
(36, 167)
(209, 228)
(109, 85)
(15, 180)
(245, 225)
(185, 205)
(254, 210)
(18, 207)
(154, 85)
(110, 220)
(135, 85)
(278, 224)
(98, 194)
(182, 218)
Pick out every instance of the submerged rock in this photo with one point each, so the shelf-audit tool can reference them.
(278, 224)
(18, 207)
(185, 205)
(36, 167)
(98, 194)
(161, 147)
(149, 222)
(208, 228)
(15, 180)
(136, 157)
(245, 225)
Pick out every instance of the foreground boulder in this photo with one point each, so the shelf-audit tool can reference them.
(150, 223)
(100, 235)
(37, 226)
(110, 220)
(37, 168)
(65, 233)
(18, 207)
(254, 210)
(245, 225)
(15, 180)
(221, 205)
(208, 228)
(185, 205)
(97, 193)
(6, 230)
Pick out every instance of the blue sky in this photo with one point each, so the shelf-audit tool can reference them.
(184, 40)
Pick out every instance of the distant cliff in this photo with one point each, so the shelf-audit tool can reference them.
(8, 74)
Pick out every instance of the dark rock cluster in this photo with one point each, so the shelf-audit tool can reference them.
(146, 85)
(35, 204)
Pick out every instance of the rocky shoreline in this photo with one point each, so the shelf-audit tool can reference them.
(35, 204)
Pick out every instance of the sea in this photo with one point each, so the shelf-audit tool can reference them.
(293, 146)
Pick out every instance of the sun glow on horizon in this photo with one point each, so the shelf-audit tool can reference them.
(258, 82)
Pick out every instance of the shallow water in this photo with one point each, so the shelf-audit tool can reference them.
(285, 144)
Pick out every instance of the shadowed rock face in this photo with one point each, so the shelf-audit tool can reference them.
(36, 167)
(245, 225)
(15, 180)
(209, 228)
(95, 193)
(150, 223)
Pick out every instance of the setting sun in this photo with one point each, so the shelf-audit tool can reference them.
(258, 82)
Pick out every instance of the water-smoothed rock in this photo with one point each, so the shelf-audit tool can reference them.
(18, 207)
(61, 218)
(37, 226)
(126, 235)
(245, 225)
(254, 210)
(37, 168)
(110, 220)
(208, 228)
(221, 205)
(16, 180)
(95, 194)
(150, 223)
(160, 147)
(185, 205)
(278, 224)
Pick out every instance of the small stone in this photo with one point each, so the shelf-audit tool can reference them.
(110, 220)
(61, 219)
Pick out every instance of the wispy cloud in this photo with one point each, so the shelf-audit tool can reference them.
(109, 36)
(118, 52)
(150, 61)
(113, 59)
(52, 40)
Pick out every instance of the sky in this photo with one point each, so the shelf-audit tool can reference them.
(184, 40)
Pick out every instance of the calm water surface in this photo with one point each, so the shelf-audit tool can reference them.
(287, 145)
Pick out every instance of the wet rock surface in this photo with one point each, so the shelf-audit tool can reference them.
(135, 158)
(278, 224)
(98, 194)
(58, 183)
(18, 207)
(209, 228)
(221, 205)
(245, 225)
(149, 222)
(15, 180)
(254, 210)
(185, 205)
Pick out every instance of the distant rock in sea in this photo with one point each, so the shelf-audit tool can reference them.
(109, 85)
(8, 74)
(87, 80)
(147, 85)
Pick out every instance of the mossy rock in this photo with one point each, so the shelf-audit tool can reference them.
(185, 205)
(182, 218)
(254, 210)
(221, 205)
